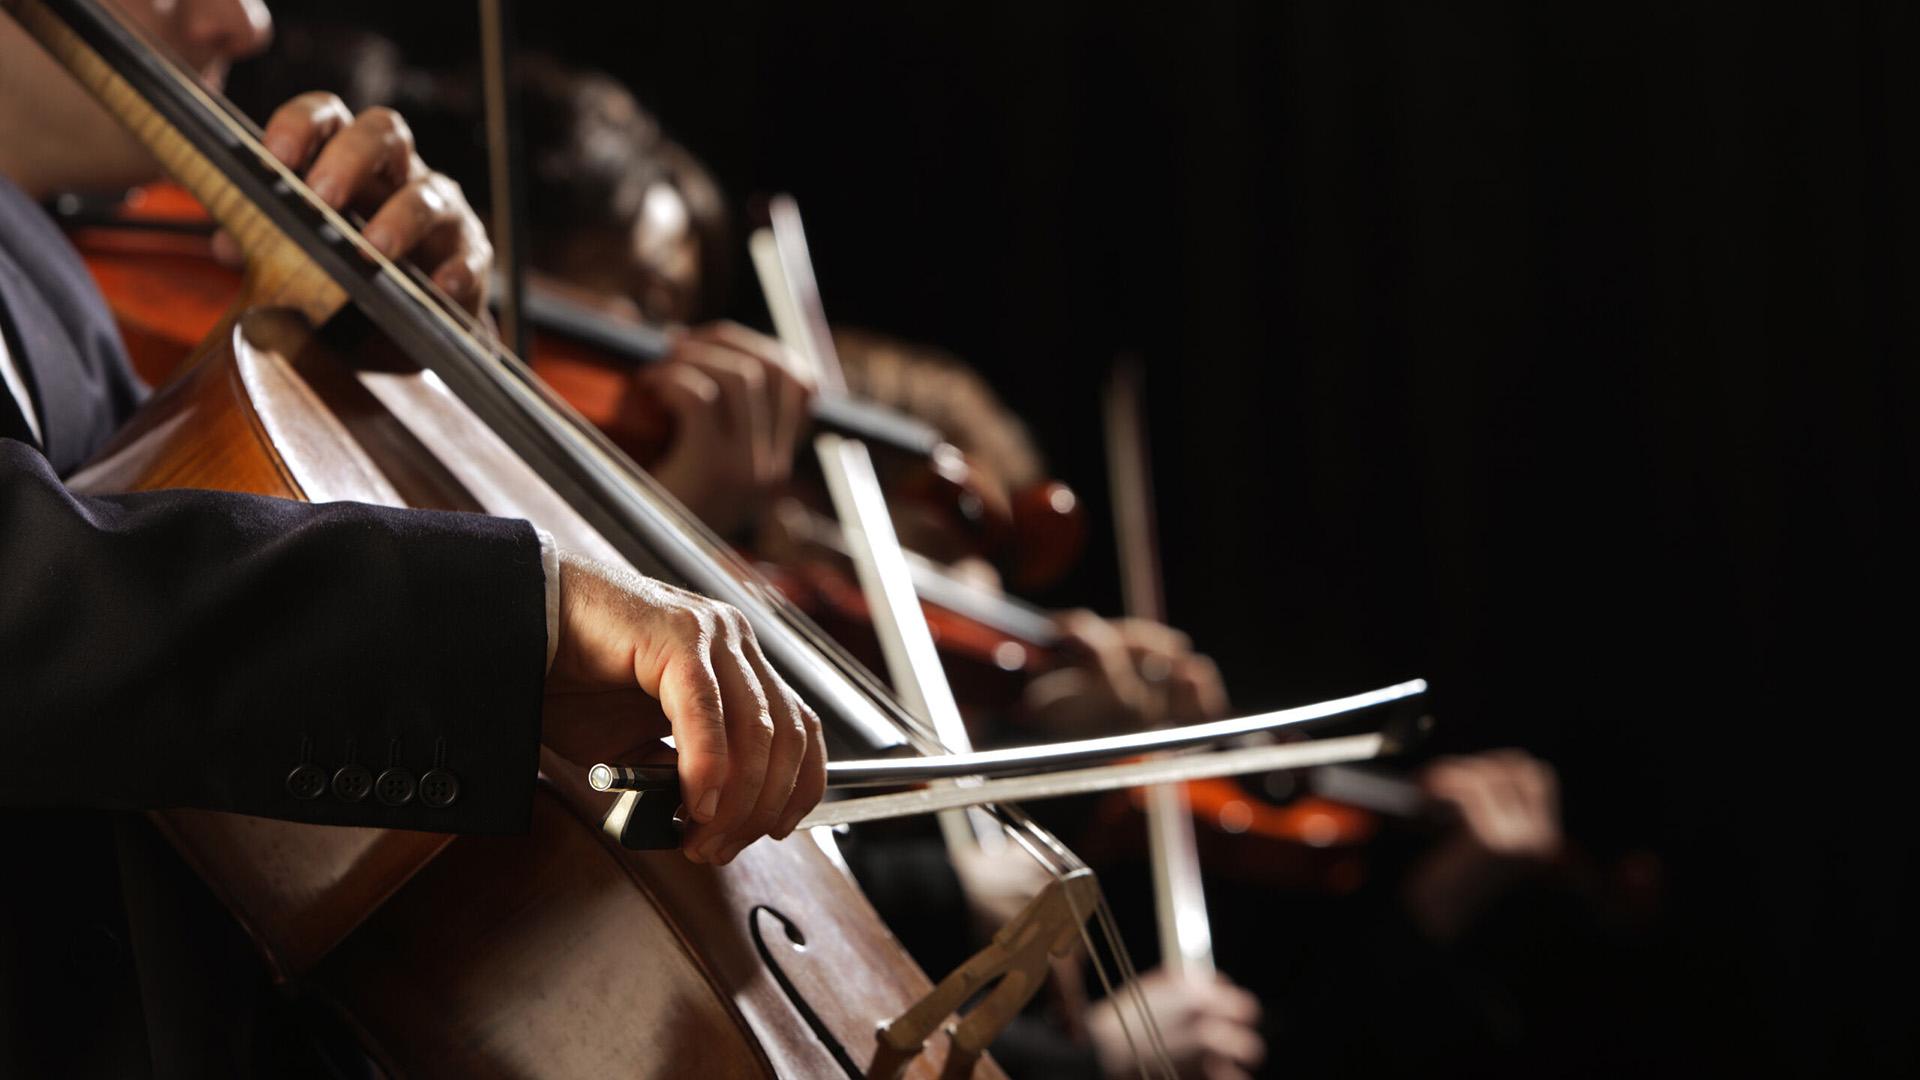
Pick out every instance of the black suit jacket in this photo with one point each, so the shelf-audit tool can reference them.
(195, 649)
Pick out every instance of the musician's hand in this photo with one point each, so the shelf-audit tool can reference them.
(739, 409)
(1125, 674)
(367, 163)
(636, 658)
(1211, 1028)
(1509, 805)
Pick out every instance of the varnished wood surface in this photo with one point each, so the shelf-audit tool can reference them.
(536, 957)
(619, 980)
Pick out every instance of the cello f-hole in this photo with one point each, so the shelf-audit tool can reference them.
(776, 938)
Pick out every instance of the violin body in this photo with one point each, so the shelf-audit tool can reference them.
(163, 286)
(557, 953)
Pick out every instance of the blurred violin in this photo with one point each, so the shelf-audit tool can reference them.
(152, 255)
(587, 349)
(1315, 829)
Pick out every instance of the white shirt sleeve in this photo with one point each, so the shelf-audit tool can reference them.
(550, 562)
(17, 386)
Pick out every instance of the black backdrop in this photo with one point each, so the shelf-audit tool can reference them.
(1562, 354)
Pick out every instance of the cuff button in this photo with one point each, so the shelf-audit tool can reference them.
(352, 783)
(439, 787)
(395, 787)
(306, 782)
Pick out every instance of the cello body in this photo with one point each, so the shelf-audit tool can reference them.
(553, 954)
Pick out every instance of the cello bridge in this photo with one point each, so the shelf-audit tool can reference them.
(1015, 964)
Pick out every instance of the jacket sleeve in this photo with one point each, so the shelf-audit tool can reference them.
(339, 664)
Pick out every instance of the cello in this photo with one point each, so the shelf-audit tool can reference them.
(339, 376)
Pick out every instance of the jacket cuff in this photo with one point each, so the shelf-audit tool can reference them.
(458, 655)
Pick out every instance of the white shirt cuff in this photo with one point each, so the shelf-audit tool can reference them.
(550, 563)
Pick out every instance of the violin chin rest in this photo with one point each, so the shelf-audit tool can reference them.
(645, 820)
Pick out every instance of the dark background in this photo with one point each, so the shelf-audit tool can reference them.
(1562, 354)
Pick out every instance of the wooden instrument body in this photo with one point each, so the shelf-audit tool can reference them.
(553, 954)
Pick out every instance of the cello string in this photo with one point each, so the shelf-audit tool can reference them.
(1134, 1000)
(1048, 849)
(1128, 997)
(1124, 990)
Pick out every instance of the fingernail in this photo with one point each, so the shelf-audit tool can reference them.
(280, 147)
(379, 238)
(327, 190)
(709, 803)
